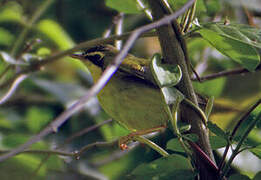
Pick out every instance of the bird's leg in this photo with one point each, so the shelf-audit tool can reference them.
(124, 140)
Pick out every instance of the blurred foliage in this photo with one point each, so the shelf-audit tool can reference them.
(46, 93)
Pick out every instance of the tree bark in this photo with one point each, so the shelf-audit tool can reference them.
(173, 50)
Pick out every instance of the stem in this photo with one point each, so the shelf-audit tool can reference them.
(235, 152)
(144, 9)
(95, 89)
(197, 110)
(174, 52)
(222, 163)
(225, 74)
(209, 106)
(191, 16)
(152, 145)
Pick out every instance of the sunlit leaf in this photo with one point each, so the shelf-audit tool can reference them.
(178, 4)
(172, 95)
(256, 151)
(239, 51)
(55, 33)
(236, 41)
(126, 6)
(11, 11)
(166, 75)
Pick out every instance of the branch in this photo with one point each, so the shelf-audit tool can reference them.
(36, 65)
(242, 119)
(107, 74)
(225, 74)
(84, 131)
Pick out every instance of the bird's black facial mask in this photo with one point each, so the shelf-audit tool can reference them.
(95, 55)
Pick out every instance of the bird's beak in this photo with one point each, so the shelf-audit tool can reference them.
(77, 56)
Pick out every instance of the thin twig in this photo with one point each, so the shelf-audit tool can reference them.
(240, 143)
(242, 119)
(68, 140)
(225, 74)
(107, 74)
(12, 89)
(35, 66)
(79, 153)
(115, 155)
(84, 131)
(144, 9)
(53, 152)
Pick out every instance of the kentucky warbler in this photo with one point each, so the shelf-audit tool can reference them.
(129, 97)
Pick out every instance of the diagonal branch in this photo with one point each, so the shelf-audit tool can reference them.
(107, 74)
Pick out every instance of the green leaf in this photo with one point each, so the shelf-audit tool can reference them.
(20, 166)
(175, 5)
(212, 6)
(256, 151)
(191, 137)
(126, 6)
(240, 52)
(211, 88)
(166, 75)
(184, 127)
(235, 41)
(217, 142)
(217, 130)
(6, 38)
(38, 118)
(238, 177)
(174, 143)
(11, 12)
(55, 33)
(173, 166)
(172, 95)
(245, 125)
(15, 139)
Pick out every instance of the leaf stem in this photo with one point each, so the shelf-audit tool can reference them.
(235, 152)
(152, 145)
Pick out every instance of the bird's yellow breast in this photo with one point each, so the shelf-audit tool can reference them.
(133, 102)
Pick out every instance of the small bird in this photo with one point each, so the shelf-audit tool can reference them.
(131, 96)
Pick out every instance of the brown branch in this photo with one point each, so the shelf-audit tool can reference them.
(107, 74)
(36, 65)
(174, 52)
(225, 74)
(84, 131)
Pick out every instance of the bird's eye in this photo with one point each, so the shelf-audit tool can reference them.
(94, 57)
